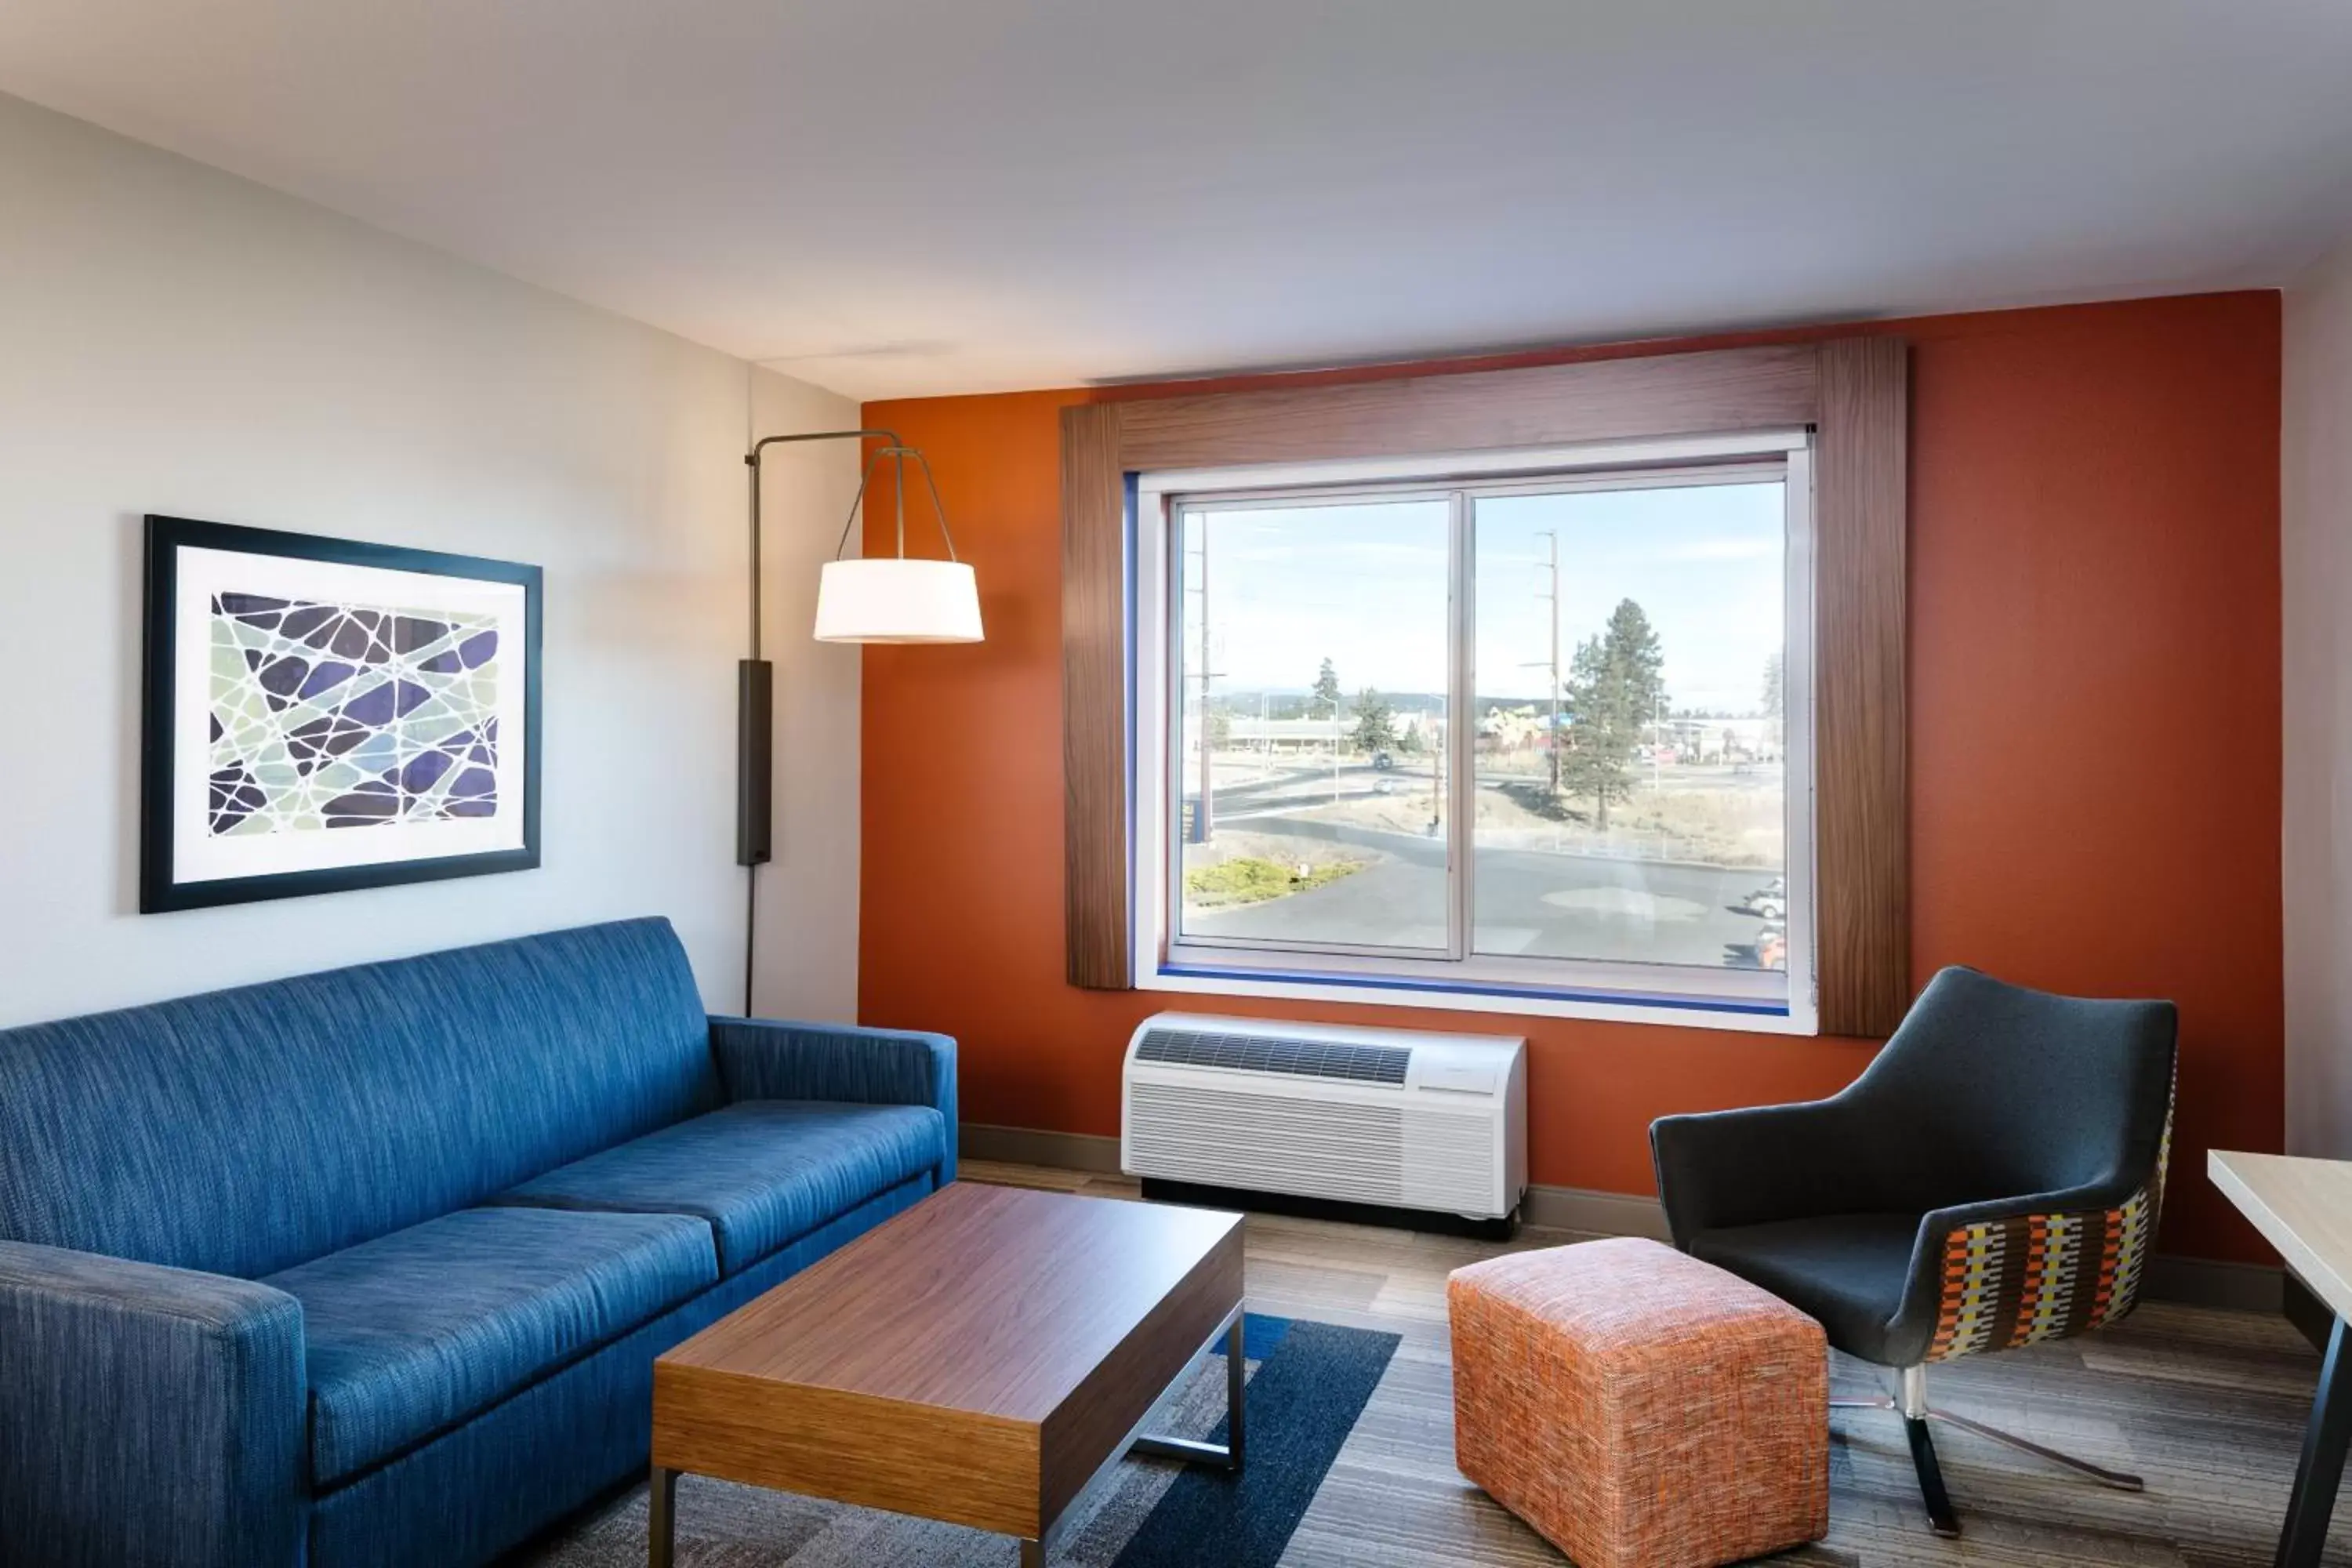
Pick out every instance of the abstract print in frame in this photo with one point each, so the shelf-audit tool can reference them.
(322, 714)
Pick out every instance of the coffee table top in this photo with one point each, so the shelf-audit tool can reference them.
(998, 1301)
(982, 1358)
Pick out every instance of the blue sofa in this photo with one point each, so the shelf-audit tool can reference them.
(370, 1266)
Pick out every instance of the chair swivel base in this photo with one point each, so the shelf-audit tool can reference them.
(1917, 1413)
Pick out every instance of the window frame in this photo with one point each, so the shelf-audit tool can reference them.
(1458, 978)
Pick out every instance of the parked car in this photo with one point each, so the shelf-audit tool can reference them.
(1773, 948)
(1770, 901)
(1383, 760)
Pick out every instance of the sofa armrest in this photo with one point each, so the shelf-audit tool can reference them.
(148, 1415)
(766, 1058)
(1753, 1166)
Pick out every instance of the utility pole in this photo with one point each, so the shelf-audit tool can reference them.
(1208, 770)
(1553, 597)
(1203, 810)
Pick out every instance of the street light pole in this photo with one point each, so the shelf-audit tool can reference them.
(1437, 782)
(1658, 743)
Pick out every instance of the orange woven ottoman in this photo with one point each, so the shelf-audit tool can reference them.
(1641, 1409)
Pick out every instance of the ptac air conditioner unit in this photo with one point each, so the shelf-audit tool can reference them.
(1240, 1110)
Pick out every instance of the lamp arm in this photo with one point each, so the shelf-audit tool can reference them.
(766, 441)
(751, 461)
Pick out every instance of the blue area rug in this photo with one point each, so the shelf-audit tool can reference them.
(1311, 1382)
(1308, 1383)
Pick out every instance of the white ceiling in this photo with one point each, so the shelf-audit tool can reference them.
(909, 196)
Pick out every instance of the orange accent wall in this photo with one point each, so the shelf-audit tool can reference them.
(2095, 745)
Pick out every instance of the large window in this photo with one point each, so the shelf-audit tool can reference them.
(1532, 736)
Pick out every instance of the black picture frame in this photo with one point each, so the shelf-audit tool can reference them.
(166, 537)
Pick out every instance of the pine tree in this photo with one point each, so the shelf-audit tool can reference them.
(1326, 701)
(1616, 689)
(1375, 722)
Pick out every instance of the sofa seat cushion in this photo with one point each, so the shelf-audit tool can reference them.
(763, 1171)
(413, 1332)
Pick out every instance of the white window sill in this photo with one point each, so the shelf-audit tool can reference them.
(1757, 1017)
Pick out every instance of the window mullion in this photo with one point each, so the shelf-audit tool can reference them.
(1461, 729)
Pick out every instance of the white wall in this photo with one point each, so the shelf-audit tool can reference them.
(173, 339)
(2316, 564)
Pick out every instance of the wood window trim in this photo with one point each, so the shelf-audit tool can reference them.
(1853, 391)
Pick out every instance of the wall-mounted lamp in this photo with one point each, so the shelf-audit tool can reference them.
(889, 599)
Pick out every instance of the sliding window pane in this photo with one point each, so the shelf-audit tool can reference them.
(1311, 763)
(1631, 803)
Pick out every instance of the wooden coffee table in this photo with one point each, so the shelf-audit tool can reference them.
(983, 1359)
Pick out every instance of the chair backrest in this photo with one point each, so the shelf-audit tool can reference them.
(1992, 1090)
(244, 1131)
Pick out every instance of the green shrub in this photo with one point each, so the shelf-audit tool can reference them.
(1251, 879)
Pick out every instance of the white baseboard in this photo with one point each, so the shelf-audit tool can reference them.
(2193, 1281)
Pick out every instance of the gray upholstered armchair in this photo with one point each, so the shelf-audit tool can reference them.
(1992, 1179)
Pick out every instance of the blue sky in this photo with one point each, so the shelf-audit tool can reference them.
(1365, 583)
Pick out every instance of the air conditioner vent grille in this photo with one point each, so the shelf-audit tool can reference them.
(1274, 1054)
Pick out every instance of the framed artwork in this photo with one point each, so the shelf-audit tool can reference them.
(322, 715)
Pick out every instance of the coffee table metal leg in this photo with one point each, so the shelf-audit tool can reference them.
(1032, 1554)
(1225, 1456)
(661, 1518)
(1236, 1400)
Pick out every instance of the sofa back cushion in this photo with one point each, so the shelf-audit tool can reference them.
(245, 1131)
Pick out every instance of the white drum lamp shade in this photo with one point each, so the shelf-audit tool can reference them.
(894, 599)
